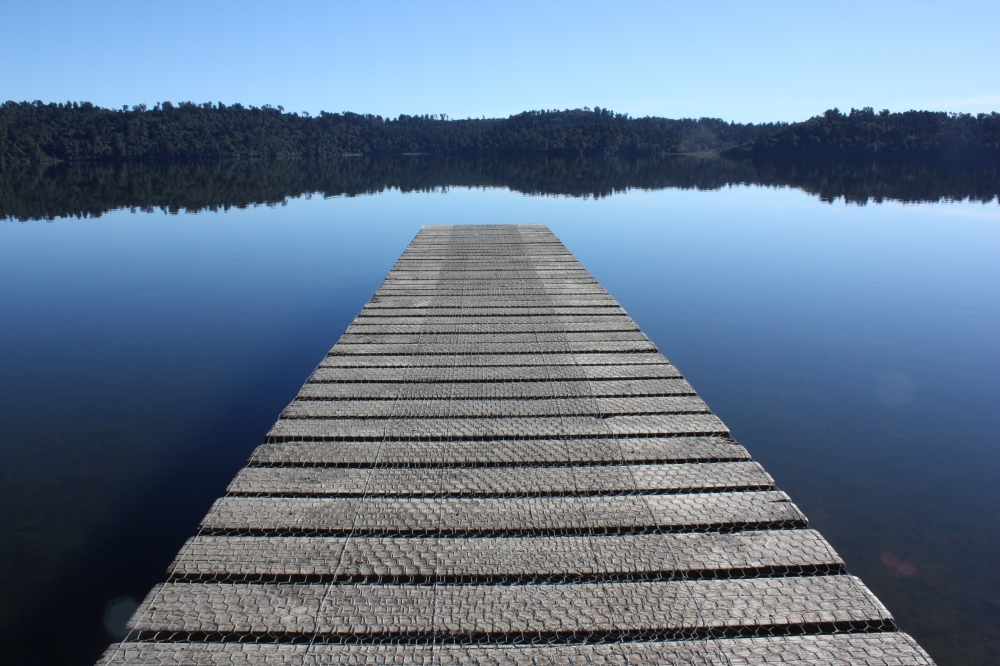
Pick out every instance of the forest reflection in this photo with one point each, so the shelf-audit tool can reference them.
(88, 190)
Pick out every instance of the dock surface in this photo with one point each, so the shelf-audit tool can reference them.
(494, 465)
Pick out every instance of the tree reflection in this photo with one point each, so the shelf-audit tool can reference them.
(89, 190)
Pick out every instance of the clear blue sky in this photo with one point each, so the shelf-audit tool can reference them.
(739, 61)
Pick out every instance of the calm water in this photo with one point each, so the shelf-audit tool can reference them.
(853, 349)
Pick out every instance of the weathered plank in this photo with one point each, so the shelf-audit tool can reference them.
(506, 558)
(512, 516)
(655, 425)
(493, 481)
(494, 374)
(503, 327)
(414, 407)
(556, 320)
(497, 452)
(883, 649)
(664, 608)
(501, 360)
(477, 348)
(496, 390)
(352, 338)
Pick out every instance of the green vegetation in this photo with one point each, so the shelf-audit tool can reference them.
(33, 132)
(37, 132)
(866, 135)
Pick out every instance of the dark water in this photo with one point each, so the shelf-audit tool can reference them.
(852, 348)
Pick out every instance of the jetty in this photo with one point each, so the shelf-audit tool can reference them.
(494, 465)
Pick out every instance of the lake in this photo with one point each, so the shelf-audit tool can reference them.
(843, 321)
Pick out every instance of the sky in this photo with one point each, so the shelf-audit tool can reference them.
(742, 61)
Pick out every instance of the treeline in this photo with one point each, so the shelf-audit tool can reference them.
(37, 132)
(33, 132)
(35, 192)
(863, 134)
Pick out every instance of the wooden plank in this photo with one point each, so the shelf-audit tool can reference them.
(497, 452)
(428, 348)
(496, 360)
(526, 301)
(503, 516)
(485, 311)
(502, 612)
(506, 558)
(882, 649)
(413, 407)
(496, 390)
(657, 425)
(362, 338)
(512, 481)
(471, 319)
(407, 327)
(494, 374)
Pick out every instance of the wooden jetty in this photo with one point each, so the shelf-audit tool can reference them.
(495, 466)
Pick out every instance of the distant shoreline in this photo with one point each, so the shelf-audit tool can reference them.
(34, 132)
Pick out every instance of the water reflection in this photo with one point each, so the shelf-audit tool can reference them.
(88, 190)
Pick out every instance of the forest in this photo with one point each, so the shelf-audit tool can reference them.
(866, 135)
(35, 132)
